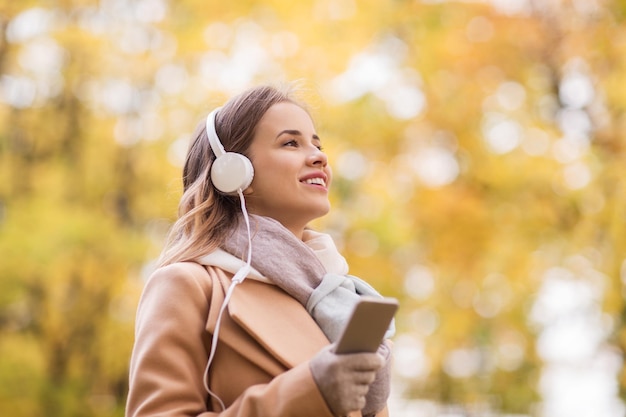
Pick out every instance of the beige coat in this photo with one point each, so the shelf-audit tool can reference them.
(261, 363)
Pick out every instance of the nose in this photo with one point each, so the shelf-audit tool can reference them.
(317, 158)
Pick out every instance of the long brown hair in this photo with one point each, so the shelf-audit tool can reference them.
(206, 216)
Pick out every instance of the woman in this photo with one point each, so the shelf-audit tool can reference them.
(286, 288)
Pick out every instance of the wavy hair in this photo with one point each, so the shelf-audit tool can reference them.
(206, 216)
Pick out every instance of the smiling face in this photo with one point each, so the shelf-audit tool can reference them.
(291, 173)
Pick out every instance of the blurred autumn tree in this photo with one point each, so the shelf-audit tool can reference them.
(477, 150)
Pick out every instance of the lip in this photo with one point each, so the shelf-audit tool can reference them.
(321, 175)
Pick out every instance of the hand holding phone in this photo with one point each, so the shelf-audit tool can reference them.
(367, 326)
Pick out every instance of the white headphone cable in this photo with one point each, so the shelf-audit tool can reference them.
(238, 278)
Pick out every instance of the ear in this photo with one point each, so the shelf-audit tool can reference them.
(248, 191)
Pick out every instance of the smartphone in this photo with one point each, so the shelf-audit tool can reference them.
(367, 326)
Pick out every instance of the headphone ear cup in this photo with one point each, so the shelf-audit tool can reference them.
(231, 172)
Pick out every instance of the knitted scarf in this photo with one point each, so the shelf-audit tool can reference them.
(291, 264)
(278, 255)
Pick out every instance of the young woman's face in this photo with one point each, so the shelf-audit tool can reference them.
(291, 173)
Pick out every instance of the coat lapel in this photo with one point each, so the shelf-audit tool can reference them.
(277, 321)
(261, 318)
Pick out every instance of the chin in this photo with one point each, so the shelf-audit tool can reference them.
(321, 212)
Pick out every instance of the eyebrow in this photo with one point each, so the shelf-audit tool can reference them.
(295, 133)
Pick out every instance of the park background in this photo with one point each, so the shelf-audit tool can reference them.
(479, 164)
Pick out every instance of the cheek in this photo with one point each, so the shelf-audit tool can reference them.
(329, 172)
(267, 176)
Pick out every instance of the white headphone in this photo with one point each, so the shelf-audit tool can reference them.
(231, 171)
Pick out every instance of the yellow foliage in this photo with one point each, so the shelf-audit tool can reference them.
(467, 171)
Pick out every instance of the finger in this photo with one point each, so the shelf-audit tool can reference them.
(361, 402)
(363, 378)
(363, 361)
(362, 390)
(356, 404)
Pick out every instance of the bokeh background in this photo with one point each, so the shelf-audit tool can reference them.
(479, 166)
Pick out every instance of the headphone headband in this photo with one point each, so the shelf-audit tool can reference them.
(214, 141)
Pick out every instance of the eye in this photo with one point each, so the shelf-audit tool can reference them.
(292, 142)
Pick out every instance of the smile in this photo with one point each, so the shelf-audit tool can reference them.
(316, 181)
